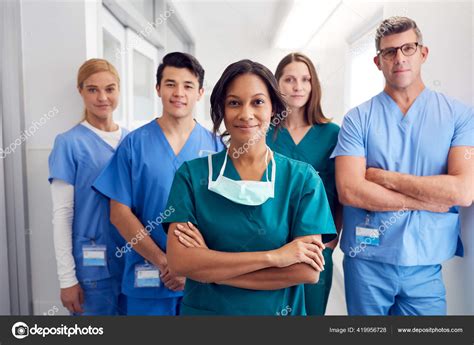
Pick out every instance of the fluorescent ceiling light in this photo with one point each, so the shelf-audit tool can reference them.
(303, 21)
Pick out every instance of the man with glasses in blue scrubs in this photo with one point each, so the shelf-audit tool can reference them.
(402, 174)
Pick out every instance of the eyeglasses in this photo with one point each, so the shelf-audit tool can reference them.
(408, 49)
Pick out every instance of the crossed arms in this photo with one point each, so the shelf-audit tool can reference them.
(298, 262)
(381, 190)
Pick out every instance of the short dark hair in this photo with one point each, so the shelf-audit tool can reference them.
(181, 60)
(235, 70)
(396, 25)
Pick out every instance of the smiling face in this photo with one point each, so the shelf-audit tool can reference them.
(295, 84)
(100, 93)
(402, 71)
(179, 91)
(248, 109)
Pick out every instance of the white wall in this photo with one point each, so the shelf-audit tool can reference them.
(54, 46)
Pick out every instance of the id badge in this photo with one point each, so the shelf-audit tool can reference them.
(205, 153)
(369, 236)
(94, 255)
(147, 276)
(367, 233)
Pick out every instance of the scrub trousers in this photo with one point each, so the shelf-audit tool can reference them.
(103, 297)
(376, 288)
(153, 306)
(316, 295)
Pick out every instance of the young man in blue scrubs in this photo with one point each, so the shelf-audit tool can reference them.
(138, 180)
(402, 175)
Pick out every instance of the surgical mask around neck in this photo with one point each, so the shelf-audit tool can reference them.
(244, 192)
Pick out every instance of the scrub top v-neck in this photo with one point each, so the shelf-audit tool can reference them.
(314, 148)
(417, 143)
(178, 158)
(299, 208)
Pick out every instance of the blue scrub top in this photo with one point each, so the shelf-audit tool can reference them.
(78, 157)
(299, 208)
(418, 144)
(140, 176)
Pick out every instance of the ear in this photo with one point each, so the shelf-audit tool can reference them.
(201, 92)
(377, 62)
(158, 90)
(272, 115)
(424, 53)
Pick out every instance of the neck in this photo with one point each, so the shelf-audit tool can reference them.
(253, 153)
(405, 97)
(107, 124)
(296, 118)
(176, 125)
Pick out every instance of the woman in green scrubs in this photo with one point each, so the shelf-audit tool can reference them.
(308, 136)
(260, 214)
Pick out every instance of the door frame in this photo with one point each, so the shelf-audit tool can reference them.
(15, 275)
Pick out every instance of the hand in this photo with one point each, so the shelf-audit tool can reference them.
(172, 281)
(378, 176)
(73, 298)
(189, 236)
(307, 250)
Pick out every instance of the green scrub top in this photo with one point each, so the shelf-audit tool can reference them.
(315, 148)
(299, 208)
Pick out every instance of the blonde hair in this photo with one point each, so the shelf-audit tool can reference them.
(93, 66)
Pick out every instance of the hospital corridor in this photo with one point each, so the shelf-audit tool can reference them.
(236, 157)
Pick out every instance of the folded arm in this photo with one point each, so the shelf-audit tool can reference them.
(456, 188)
(292, 264)
(355, 190)
(130, 227)
(275, 278)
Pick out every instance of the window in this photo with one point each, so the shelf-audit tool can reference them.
(135, 52)
(113, 44)
(143, 95)
(136, 61)
(142, 61)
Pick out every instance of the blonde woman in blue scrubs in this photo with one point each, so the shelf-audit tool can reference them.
(260, 214)
(308, 136)
(84, 239)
